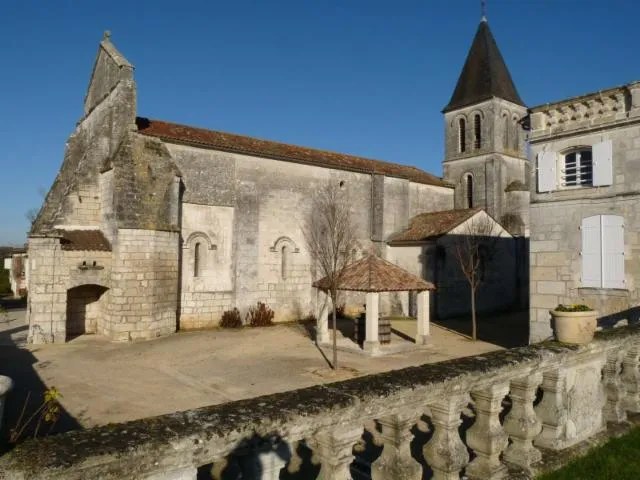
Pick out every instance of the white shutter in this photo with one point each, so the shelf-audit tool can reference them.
(602, 154)
(612, 251)
(591, 252)
(547, 172)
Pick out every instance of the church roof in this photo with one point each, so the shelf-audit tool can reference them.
(91, 240)
(432, 224)
(484, 75)
(173, 132)
(373, 274)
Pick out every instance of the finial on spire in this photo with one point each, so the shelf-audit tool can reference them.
(106, 35)
(483, 10)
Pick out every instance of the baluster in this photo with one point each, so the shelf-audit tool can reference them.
(522, 423)
(631, 378)
(334, 449)
(614, 410)
(262, 457)
(552, 411)
(273, 460)
(486, 436)
(396, 460)
(445, 452)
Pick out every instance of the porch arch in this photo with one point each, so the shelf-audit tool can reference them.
(84, 312)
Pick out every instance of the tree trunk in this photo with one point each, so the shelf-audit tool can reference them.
(335, 336)
(473, 314)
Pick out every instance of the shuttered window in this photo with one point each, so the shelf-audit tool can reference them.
(580, 167)
(602, 164)
(603, 252)
(547, 171)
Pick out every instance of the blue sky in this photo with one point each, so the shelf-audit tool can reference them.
(366, 77)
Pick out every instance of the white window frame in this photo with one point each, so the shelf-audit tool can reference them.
(562, 168)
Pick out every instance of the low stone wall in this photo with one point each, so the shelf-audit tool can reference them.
(517, 407)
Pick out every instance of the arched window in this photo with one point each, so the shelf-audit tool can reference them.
(284, 267)
(507, 132)
(469, 190)
(577, 168)
(196, 259)
(516, 134)
(462, 133)
(477, 135)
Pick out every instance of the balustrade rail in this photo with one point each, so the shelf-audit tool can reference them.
(484, 416)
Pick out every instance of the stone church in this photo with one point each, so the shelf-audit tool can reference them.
(151, 226)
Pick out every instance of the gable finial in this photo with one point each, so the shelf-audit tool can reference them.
(483, 10)
(106, 35)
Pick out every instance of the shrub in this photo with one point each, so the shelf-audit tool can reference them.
(5, 284)
(260, 316)
(231, 319)
(573, 308)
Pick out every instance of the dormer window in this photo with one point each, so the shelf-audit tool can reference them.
(577, 168)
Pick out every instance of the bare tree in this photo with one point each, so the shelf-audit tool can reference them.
(473, 248)
(330, 236)
(32, 213)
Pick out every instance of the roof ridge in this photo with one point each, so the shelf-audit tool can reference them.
(245, 144)
(316, 149)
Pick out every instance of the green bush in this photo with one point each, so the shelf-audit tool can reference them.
(260, 316)
(231, 319)
(573, 308)
(5, 285)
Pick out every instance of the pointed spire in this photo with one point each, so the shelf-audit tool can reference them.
(484, 75)
(483, 11)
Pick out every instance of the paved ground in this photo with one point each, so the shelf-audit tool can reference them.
(103, 382)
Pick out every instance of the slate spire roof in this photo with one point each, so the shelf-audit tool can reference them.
(484, 75)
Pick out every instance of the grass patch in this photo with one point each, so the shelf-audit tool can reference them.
(617, 459)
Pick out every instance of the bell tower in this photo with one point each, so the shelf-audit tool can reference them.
(485, 154)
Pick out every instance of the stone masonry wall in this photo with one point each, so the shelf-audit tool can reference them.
(145, 277)
(52, 273)
(556, 262)
(74, 197)
(205, 297)
(270, 201)
(556, 216)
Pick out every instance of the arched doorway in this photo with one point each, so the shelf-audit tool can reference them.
(83, 310)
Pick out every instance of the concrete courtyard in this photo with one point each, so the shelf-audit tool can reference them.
(103, 382)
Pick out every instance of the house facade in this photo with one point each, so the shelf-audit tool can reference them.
(152, 226)
(585, 221)
(17, 267)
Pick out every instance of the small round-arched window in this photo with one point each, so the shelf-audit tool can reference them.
(462, 135)
(196, 259)
(477, 131)
(284, 267)
(468, 185)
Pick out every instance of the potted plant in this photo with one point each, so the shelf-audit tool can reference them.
(574, 324)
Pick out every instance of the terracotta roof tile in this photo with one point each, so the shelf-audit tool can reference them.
(434, 224)
(373, 274)
(93, 240)
(280, 151)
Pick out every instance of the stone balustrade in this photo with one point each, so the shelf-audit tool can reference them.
(492, 416)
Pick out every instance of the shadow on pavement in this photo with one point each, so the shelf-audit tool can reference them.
(507, 330)
(19, 364)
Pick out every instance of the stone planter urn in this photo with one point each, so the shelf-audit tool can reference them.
(575, 324)
(5, 385)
